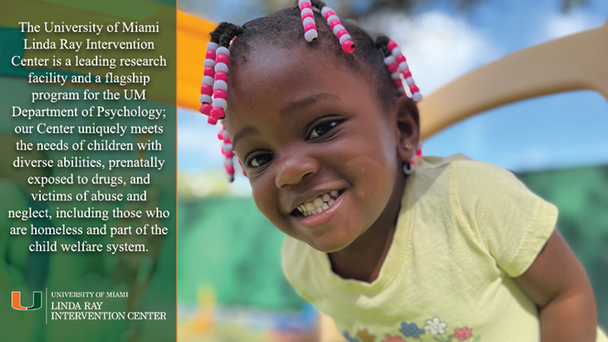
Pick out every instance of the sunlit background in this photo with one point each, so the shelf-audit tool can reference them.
(230, 283)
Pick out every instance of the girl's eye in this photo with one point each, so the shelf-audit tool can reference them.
(322, 129)
(259, 160)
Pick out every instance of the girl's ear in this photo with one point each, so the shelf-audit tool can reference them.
(406, 122)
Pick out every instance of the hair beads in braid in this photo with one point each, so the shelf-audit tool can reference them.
(215, 85)
(208, 81)
(397, 66)
(336, 26)
(308, 20)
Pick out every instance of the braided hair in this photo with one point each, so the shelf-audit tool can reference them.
(378, 59)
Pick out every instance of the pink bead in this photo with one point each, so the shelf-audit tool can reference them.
(414, 88)
(393, 67)
(219, 93)
(391, 45)
(228, 154)
(220, 135)
(222, 59)
(227, 140)
(305, 5)
(207, 90)
(211, 121)
(400, 59)
(341, 33)
(217, 113)
(221, 76)
(398, 83)
(407, 73)
(206, 109)
(418, 152)
(210, 54)
(229, 169)
(334, 24)
(310, 26)
(209, 71)
(307, 15)
(348, 46)
(329, 14)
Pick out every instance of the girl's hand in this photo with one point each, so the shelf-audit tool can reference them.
(557, 283)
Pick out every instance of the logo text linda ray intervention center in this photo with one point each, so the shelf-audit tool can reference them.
(71, 308)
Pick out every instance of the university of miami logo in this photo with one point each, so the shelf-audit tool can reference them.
(16, 301)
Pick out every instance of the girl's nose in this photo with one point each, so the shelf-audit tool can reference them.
(294, 168)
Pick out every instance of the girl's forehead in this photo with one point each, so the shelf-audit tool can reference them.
(272, 82)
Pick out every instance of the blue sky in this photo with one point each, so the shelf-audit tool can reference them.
(441, 43)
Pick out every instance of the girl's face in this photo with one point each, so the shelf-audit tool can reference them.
(308, 129)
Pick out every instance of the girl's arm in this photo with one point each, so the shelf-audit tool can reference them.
(557, 283)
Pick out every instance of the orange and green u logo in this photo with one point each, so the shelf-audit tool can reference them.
(16, 301)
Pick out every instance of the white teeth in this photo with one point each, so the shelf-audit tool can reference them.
(319, 204)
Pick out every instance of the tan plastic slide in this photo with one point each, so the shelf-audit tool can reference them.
(575, 62)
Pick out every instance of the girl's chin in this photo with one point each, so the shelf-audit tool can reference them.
(331, 241)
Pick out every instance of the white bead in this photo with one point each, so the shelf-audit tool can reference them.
(338, 28)
(325, 9)
(205, 99)
(308, 20)
(209, 63)
(389, 60)
(396, 52)
(409, 81)
(211, 46)
(219, 84)
(345, 37)
(222, 50)
(227, 147)
(229, 162)
(219, 102)
(403, 66)
(307, 10)
(395, 75)
(310, 35)
(408, 168)
(332, 18)
(208, 80)
(221, 67)
(417, 97)
(300, 2)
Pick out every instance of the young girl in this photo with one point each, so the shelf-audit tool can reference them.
(393, 246)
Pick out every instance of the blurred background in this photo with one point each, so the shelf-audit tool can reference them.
(231, 287)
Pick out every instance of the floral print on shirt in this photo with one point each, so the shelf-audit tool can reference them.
(434, 330)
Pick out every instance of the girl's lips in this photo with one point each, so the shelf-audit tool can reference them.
(322, 217)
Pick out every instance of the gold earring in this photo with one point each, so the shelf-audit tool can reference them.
(408, 146)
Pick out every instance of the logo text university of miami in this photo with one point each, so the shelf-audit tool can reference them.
(16, 301)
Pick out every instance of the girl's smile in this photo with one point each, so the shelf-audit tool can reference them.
(316, 145)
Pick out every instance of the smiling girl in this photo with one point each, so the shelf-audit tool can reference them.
(393, 246)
